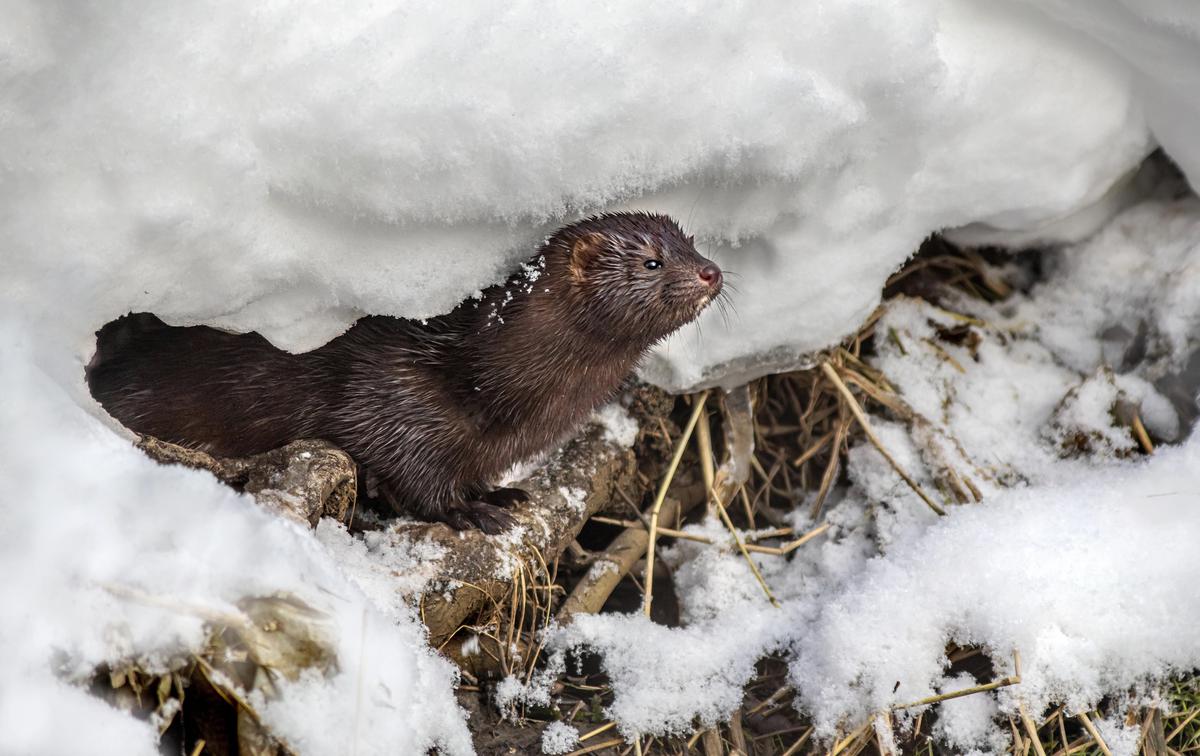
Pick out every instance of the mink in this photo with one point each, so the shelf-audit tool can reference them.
(433, 411)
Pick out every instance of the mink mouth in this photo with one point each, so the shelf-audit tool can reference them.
(708, 296)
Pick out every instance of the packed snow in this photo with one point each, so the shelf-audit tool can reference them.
(289, 167)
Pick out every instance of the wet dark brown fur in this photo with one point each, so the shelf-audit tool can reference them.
(436, 411)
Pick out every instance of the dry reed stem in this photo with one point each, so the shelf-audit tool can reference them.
(590, 593)
(704, 441)
(1183, 724)
(795, 747)
(596, 747)
(813, 450)
(771, 699)
(772, 533)
(745, 553)
(791, 546)
(1002, 683)
(937, 348)
(1031, 729)
(849, 739)
(783, 550)
(680, 447)
(891, 400)
(748, 508)
(736, 735)
(597, 731)
(882, 721)
(1143, 437)
(1086, 721)
(839, 438)
(870, 433)
(1154, 740)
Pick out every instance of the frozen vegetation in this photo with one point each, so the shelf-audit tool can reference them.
(291, 166)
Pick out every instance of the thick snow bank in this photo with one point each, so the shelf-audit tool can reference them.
(288, 167)
(87, 521)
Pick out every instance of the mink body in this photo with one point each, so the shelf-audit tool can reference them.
(434, 411)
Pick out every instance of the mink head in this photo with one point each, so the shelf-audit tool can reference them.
(636, 276)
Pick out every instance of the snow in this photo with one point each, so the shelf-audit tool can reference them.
(559, 738)
(376, 158)
(619, 426)
(665, 678)
(967, 722)
(1081, 563)
(1122, 739)
(289, 167)
(108, 557)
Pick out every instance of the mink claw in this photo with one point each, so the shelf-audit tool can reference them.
(479, 515)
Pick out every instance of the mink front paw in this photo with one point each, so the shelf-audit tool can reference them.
(489, 518)
(505, 497)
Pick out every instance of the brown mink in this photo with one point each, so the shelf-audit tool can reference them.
(433, 411)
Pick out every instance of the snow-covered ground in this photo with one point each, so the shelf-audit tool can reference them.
(1081, 563)
(288, 167)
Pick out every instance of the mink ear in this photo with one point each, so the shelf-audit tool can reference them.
(585, 249)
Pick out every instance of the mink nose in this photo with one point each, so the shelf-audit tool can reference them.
(711, 275)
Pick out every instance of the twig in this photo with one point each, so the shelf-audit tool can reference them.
(841, 430)
(1031, 729)
(813, 450)
(662, 494)
(590, 593)
(1143, 437)
(795, 748)
(783, 550)
(841, 745)
(791, 546)
(597, 731)
(1013, 680)
(1086, 721)
(1183, 724)
(745, 553)
(596, 747)
(771, 700)
(870, 433)
(704, 442)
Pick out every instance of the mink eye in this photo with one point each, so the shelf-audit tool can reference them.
(653, 264)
